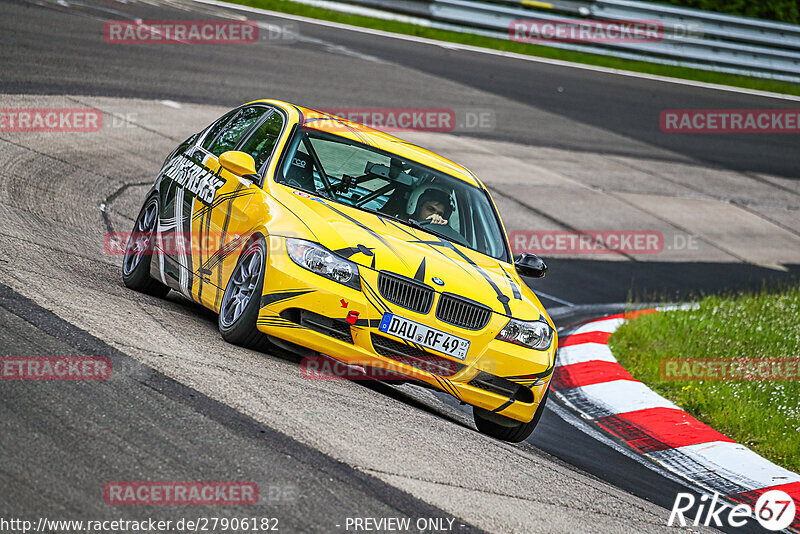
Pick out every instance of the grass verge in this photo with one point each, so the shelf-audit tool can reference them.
(294, 8)
(763, 415)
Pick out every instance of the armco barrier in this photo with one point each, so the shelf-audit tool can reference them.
(691, 37)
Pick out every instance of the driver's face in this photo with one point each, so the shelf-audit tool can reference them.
(431, 207)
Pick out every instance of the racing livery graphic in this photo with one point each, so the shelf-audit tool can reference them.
(304, 228)
(195, 179)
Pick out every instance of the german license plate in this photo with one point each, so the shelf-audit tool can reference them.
(426, 336)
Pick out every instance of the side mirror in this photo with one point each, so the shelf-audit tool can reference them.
(530, 265)
(238, 163)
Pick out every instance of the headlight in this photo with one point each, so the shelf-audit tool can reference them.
(535, 334)
(320, 260)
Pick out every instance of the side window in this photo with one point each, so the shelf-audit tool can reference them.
(263, 139)
(216, 128)
(236, 129)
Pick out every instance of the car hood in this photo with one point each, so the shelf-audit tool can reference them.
(381, 244)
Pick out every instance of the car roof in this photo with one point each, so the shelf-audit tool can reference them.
(331, 124)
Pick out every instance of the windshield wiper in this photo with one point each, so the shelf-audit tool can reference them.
(408, 222)
(427, 228)
(415, 223)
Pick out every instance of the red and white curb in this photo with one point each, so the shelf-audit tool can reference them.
(590, 381)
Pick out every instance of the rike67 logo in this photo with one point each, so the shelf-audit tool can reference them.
(774, 510)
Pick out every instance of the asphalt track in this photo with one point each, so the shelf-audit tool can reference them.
(61, 52)
(336, 447)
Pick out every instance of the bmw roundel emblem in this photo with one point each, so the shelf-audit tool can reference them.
(438, 281)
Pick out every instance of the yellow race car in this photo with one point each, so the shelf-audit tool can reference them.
(298, 226)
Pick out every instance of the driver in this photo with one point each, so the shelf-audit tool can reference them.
(432, 203)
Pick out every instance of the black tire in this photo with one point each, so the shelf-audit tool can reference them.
(139, 253)
(506, 429)
(240, 329)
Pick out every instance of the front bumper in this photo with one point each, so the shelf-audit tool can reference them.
(309, 310)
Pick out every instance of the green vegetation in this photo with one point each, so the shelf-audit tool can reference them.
(764, 415)
(287, 6)
(779, 10)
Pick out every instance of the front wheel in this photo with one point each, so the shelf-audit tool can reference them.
(238, 311)
(139, 252)
(501, 427)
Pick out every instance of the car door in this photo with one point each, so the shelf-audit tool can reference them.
(205, 209)
(240, 207)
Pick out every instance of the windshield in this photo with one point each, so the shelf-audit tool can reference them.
(369, 179)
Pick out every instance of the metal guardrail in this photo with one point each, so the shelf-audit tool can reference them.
(691, 38)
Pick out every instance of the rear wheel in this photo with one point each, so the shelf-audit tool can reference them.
(504, 428)
(238, 311)
(139, 252)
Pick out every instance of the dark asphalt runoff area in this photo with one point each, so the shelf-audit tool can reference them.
(63, 441)
(60, 50)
